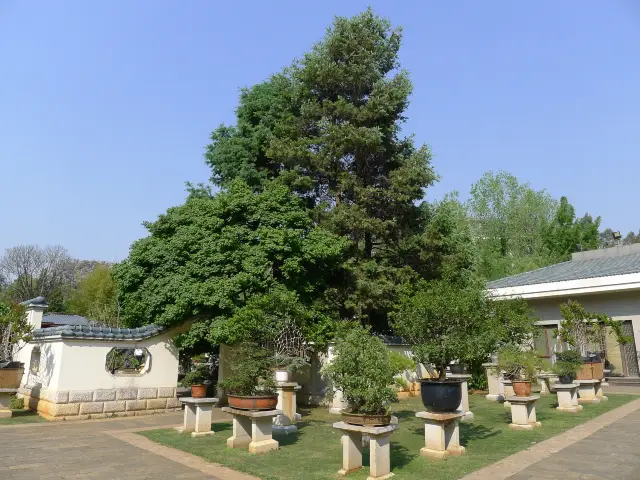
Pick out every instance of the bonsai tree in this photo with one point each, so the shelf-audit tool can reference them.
(363, 371)
(199, 375)
(568, 364)
(251, 367)
(580, 328)
(519, 364)
(15, 331)
(446, 322)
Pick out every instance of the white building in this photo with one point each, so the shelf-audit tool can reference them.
(603, 281)
(82, 371)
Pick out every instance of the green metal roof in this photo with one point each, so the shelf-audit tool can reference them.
(573, 270)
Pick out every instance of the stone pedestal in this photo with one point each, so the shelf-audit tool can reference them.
(523, 412)
(197, 416)
(567, 397)
(441, 434)
(338, 403)
(590, 391)
(546, 380)
(379, 449)
(464, 401)
(508, 391)
(5, 397)
(252, 429)
(493, 381)
(285, 422)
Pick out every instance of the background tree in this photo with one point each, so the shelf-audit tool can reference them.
(508, 220)
(14, 329)
(95, 296)
(566, 235)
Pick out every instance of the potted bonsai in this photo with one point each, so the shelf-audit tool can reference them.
(567, 366)
(196, 379)
(521, 366)
(362, 369)
(444, 322)
(251, 385)
(285, 365)
(581, 330)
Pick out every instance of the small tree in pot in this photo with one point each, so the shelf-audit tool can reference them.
(362, 369)
(251, 385)
(445, 322)
(567, 366)
(521, 366)
(197, 379)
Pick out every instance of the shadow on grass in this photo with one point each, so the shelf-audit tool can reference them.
(470, 433)
(404, 414)
(221, 427)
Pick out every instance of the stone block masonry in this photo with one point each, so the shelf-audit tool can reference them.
(102, 403)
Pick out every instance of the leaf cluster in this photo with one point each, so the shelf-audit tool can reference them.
(250, 371)
(519, 363)
(568, 363)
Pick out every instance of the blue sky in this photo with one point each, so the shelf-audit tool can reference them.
(106, 106)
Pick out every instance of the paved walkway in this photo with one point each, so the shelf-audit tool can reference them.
(82, 450)
(611, 453)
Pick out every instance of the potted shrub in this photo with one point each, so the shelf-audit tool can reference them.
(520, 366)
(251, 385)
(581, 330)
(196, 379)
(284, 365)
(363, 371)
(444, 322)
(567, 366)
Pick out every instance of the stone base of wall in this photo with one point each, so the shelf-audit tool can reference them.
(87, 404)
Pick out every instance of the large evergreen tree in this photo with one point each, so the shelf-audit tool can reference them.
(329, 127)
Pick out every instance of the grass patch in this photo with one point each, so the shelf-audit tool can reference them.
(22, 416)
(314, 452)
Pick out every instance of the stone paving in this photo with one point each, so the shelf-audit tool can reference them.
(610, 453)
(82, 450)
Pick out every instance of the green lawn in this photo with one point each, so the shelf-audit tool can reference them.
(314, 451)
(22, 416)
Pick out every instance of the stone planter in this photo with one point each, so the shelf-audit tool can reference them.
(10, 377)
(441, 396)
(199, 391)
(257, 402)
(366, 420)
(282, 376)
(591, 371)
(522, 388)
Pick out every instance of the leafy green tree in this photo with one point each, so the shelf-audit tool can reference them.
(329, 126)
(207, 258)
(566, 235)
(509, 219)
(95, 297)
(14, 329)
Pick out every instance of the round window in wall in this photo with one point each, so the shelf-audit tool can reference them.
(128, 361)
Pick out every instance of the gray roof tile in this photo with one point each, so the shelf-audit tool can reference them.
(99, 333)
(65, 319)
(573, 270)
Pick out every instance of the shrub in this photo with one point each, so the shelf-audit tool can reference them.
(198, 376)
(362, 369)
(519, 364)
(251, 371)
(568, 363)
(16, 403)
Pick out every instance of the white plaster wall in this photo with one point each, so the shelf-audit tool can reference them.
(81, 364)
(619, 306)
(49, 371)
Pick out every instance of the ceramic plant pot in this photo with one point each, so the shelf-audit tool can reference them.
(256, 402)
(441, 395)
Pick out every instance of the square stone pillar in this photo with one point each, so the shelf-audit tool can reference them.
(286, 403)
(567, 397)
(508, 391)
(441, 434)
(493, 381)
(5, 398)
(252, 429)
(379, 449)
(464, 401)
(197, 416)
(546, 379)
(523, 412)
(590, 391)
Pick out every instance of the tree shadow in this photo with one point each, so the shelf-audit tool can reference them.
(400, 455)
(285, 439)
(470, 432)
(404, 414)
(221, 427)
